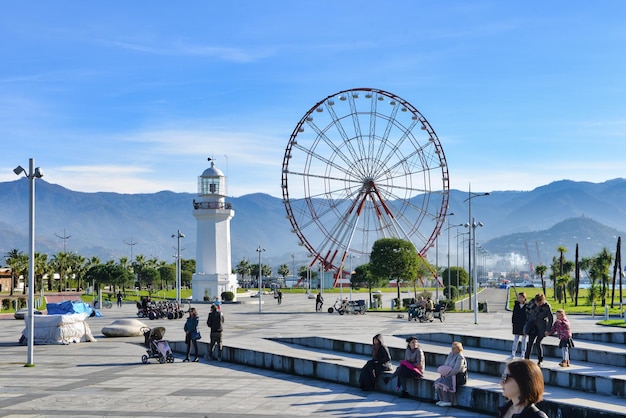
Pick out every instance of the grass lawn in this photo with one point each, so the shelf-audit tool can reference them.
(584, 306)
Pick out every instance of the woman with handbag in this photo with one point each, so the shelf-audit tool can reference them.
(191, 334)
(412, 367)
(446, 384)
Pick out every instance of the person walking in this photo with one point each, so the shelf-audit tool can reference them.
(191, 334)
(215, 322)
(563, 330)
(446, 383)
(319, 302)
(119, 299)
(279, 296)
(412, 367)
(519, 319)
(540, 321)
(522, 384)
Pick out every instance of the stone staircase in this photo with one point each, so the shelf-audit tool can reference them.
(594, 386)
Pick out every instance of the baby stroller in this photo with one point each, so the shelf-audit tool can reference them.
(157, 347)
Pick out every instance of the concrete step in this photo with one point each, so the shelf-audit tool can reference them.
(585, 377)
(340, 361)
(597, 351)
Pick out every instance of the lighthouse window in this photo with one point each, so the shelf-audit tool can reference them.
(207, 186)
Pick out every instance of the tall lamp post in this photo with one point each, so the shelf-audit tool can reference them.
(178, 236)
(293, 262)
(32, 174)
(260, 250)
(437, 259)
(463, 260)
(472, 226)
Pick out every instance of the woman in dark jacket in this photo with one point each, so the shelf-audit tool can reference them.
(192, 334)
(522, 385)
(381, 361)
(518, 320)
(542, 319)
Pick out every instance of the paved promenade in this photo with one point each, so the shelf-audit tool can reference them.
(106, 378)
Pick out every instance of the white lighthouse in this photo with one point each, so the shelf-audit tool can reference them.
(213, 260)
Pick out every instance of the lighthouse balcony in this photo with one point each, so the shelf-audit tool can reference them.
(212, 205)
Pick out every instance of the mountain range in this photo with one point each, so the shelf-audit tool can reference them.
(531, 224)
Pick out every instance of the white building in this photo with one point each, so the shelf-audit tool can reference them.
(213, 258)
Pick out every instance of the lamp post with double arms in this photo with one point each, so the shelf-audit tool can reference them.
(260, 250)
(32, 174)
(472, 224)
(178, 236)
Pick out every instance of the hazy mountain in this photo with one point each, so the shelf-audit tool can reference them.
(111, 225)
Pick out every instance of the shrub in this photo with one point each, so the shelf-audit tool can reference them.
(450, 305)
(21, 303)
(6, 304)
(451, 292)
(228, 296)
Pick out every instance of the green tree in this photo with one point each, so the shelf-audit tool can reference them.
(562, 250)
(283, 270)
(41, 269)
(18, 262)
(167, 274)
(150, 277)
(561, 283)
(243, 269)
(394, 259)
(455, 276)
(363, 277)
(598, 269)
(541, 270)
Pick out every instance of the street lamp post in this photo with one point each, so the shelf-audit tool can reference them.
(472, 226)
(463, 259)
(260, 250)
(448, 256)
(293, 262)
(178, 236)
(32, 174)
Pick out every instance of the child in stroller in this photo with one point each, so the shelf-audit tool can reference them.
(157, 347)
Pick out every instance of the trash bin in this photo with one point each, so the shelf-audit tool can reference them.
(485, 307)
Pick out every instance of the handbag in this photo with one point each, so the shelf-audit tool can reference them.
(461, 378)
(196, 335)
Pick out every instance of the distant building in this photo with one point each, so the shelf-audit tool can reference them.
(5, 279)
(213, 256)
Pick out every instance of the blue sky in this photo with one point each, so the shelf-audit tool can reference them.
(132, 97)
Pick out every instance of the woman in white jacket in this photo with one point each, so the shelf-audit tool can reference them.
(445, 385)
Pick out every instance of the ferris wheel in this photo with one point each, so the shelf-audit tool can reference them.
(363, 164)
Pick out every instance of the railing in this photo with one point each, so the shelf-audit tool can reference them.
(212, 205)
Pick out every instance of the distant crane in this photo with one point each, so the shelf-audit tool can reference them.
(530, 263)
(538, 254)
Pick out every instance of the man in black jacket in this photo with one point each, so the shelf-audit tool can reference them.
(215, 323)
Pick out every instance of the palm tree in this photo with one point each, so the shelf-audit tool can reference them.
(561, 282)
(604, 260)
(18, 261)
(41, 268)
(541, 270)
(243, 268)
(61, 263)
